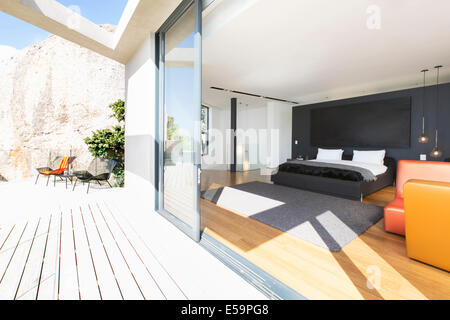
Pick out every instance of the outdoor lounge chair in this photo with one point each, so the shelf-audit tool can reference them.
(98, 170)
(55, 164)
(64, 163)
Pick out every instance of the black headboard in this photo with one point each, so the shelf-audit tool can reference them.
(373, 124)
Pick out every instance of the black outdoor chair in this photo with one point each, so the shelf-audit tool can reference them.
(98, 170)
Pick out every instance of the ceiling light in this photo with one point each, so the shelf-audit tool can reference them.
(423, 137)
(437, 153)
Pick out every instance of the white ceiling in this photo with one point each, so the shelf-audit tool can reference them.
(317, 50)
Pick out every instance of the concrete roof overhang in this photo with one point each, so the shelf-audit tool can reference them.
(139, 18)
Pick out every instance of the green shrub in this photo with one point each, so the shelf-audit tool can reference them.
(110, 143)
(119, 110)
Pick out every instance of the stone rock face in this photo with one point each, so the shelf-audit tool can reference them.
(52, 96)
(6, 52)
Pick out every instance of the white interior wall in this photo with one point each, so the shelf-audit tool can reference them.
(279, 117)
(140, 75)
(251, 145)
(219, 150)
(264, 137)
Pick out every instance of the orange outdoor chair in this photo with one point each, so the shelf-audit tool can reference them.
(63, 165)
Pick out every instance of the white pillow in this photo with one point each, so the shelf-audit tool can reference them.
(373, 157)
(327, 154)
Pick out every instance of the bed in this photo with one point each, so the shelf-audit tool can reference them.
(342, 179)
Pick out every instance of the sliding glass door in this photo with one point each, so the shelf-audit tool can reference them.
(180, 118)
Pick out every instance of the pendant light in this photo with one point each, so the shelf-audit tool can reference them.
(437, 153)
(423, 137)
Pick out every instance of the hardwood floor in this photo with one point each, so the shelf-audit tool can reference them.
(373, 266)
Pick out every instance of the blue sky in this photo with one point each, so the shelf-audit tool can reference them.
(19, 34)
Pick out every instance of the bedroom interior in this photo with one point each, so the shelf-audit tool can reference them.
(274, 226)
(330, 212)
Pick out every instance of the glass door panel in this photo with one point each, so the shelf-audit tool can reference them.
(181, 57)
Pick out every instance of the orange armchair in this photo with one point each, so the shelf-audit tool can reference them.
(427, 216)
(394, 213)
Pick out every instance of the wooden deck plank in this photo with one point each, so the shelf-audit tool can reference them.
(48, 284)
(10, 244)
(147, 283)
(5, 233)
(89, 289)
(127, 283)
(171, 289)
(68, 288)
(30, 280)
(10, 280)
(106, 277)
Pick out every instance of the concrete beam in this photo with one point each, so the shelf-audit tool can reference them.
(147, 17)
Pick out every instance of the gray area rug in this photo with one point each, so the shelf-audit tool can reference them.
(326, 221)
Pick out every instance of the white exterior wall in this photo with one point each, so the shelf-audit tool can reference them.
(140, 121)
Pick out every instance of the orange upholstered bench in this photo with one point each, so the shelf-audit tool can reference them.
(394, 213)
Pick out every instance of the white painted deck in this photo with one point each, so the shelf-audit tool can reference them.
(59, 244)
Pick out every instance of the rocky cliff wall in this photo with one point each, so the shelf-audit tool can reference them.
(53, 95)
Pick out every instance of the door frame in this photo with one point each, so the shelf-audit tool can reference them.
(193, 231)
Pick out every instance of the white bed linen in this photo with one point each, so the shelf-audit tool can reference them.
(376, 156)
(376, 169)
(330, 154)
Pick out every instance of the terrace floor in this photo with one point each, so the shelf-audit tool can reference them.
(59, 244)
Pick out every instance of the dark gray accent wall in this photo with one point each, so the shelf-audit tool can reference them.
(301, 122)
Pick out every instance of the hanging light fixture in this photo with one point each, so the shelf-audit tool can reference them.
(436, 153)
(423, 137)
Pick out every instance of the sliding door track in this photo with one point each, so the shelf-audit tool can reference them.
(271, 287)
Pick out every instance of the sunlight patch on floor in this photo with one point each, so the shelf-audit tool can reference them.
(247, 202)
(314, 281)
(338, 230)
(380, 274)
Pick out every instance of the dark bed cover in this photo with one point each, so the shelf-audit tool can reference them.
(302, 167)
